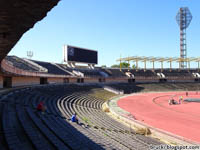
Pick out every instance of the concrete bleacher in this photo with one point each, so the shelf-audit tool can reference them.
(175, 72)
(113, 72)
(90, 72)
(143, 73)
(126, 88)
(52, 69)
(21, 64)
(23, 127)
(155, 87)
(113, 130)
(64, 71)
(85, 71)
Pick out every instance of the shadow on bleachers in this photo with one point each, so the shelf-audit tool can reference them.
(126, 87)
(25, 128)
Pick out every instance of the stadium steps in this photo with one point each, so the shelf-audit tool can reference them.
(117, 137)
(92, 134)
(54, 124)
(39, 141)
(80, 138)
(93, 113)
(46, 131)
(102, 126)
(88, 113)
(64, 136)
(53, 130)
(3, 142)
(121, 137)
(83, 129)
(13, 131)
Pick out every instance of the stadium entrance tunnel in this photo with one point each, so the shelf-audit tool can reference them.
(102, 80)
(131, 80)
(80, 80)
(7, 82)
(43, 81)
(196, 80)
(66, 80)
(162, 80)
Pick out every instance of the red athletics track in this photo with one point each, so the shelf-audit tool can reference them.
(153, 109)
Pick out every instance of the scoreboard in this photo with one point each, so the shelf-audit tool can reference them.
(79, 55)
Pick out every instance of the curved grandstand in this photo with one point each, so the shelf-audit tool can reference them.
(67, 90)
(17, 71)
(22, 127)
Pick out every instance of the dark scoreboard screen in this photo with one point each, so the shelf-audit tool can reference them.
(81, 55)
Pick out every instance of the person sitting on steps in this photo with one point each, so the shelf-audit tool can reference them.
(74, 118)
(41, 107)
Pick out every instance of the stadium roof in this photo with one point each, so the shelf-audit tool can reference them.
(160, 59)
(17, 17)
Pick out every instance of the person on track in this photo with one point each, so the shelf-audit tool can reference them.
(180, 99)
(172, 102)
(186, 93)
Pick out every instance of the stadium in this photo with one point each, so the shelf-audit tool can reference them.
(117, 108)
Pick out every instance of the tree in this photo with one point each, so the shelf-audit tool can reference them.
(103, 66)
(115, 66)
(133, 66)
(123, 65)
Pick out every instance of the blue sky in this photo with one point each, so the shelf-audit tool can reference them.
(114, 28)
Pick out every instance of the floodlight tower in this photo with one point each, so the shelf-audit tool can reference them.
(183, 18)
(30, 54)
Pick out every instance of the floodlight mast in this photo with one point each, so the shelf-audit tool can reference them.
(183, 19)
(30, 54)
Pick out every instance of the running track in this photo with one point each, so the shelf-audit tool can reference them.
(153, 109)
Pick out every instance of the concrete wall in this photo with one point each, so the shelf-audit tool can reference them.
(120, 80)
(55, 80)
(192, 80)
(146, 80)
(91, 80)
(180, 79)
(72, 80)
(21, 81)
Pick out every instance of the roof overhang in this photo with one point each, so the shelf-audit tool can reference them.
(17, 17)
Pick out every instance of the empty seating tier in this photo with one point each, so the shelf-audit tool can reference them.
(23, 127)
(52, 69)
(21, 64)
